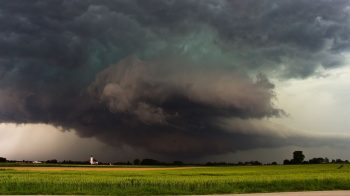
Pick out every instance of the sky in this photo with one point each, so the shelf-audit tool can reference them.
(192, 80)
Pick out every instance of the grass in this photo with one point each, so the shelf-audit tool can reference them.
(201, 180)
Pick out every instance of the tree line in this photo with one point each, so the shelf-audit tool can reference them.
(298, 158)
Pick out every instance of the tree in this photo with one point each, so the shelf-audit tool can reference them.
(137, 162)
(316, 160)
(150, 162)
(326, 160)
(286, 162)
(298, 157)
(178, 163)
(339, 161)
(52, 161)
(2, 159)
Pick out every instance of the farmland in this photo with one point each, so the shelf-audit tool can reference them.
(180, 180)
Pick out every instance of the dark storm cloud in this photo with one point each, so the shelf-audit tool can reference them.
(162, 74)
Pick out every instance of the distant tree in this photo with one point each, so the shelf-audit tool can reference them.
(137, 162)
(326, 160)
(255, 163)
(121, 163)
(316, 160)
(339, 161)
(2, 159)
(286, 162)
(274, 163)
(52, 161)
(150, 162)
(75, 162)
(298, 157)
(216, 163)
(178, 163)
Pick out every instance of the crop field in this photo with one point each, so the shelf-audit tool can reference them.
(181, 180)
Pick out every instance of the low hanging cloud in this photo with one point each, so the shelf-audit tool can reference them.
(177, 112)
(163, 75)
(132, 86)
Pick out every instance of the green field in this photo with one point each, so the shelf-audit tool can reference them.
(200, 180)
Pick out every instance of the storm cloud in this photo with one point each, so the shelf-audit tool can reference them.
(174, 77)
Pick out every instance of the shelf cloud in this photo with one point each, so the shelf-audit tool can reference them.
(173, 77)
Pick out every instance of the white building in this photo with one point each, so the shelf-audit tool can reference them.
(93, 161)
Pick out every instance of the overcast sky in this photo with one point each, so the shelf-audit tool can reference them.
(193, 80)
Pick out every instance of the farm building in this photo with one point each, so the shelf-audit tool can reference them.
(93, 161)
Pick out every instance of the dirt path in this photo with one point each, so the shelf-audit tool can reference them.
(95, 168)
